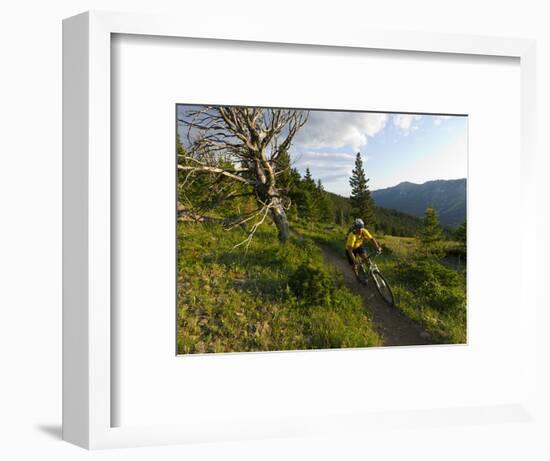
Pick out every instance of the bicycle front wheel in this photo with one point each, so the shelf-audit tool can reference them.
(383, 288)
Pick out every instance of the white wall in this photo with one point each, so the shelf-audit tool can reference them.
(30, 240)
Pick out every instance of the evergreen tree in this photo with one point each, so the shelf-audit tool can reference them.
(431, 238)
(288, 180)
(309, 182)
(325, 204)
(340, 217)
(460, 234)
(361, 200)
(284, 171)
(307, 208)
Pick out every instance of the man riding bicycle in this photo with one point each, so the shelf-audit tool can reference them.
(355, 244)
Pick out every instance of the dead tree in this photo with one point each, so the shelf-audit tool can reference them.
(243, 144)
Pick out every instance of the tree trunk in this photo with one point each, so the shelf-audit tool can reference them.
(267, 189)
(281, 221)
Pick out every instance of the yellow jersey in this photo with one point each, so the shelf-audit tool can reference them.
(355, 241)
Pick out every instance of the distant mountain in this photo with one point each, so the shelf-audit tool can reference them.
(448, 197)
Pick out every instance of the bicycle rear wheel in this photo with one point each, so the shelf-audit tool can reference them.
(383, 288)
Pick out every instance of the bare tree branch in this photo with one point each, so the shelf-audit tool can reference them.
(211, 169)
(242, 144)
(257, 224)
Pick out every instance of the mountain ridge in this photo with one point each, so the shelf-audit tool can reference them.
(446, 196)
(410, 183)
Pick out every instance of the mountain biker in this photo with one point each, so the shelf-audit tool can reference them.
(355, 243)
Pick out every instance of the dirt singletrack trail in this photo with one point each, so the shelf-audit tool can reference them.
(395, 327)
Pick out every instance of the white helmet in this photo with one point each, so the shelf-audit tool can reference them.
(358, 223)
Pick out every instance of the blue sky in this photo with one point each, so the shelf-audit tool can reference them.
(394, 147)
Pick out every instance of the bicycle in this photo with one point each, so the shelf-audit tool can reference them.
(371, 270)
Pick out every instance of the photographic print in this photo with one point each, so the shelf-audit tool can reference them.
(307, 229)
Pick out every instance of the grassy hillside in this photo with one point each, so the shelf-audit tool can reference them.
(426, 291)
(273, 297)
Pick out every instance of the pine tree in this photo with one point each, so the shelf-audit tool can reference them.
(309, 182)
(325, 204)
(307, 208)
(361, 200)
(289, 180)
(339, 216)
(460, 234)
(431, 238)
(284, 171)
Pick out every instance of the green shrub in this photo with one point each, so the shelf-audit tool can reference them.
(433, 284)
(312, 284)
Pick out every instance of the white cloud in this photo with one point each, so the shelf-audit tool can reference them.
(326, 129)
(405, 121)
(330, 158)
(324, 163)
(332, 168)
(438, 120)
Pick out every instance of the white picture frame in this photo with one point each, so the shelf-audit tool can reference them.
(87, 361)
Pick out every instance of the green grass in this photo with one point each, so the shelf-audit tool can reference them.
(427, 292)
(432, 295)
(270, 297)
